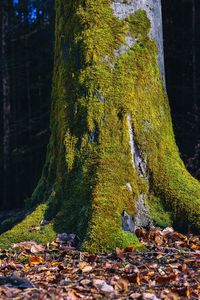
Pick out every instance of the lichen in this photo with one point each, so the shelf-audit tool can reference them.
(94, 92)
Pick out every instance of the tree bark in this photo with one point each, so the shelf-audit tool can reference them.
(194, 66)
(6, 99)
(112, 161)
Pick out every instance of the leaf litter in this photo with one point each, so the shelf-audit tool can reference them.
(168, 269)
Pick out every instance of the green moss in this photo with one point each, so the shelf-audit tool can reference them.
(99, 159)
(159, 214)
(106, 243)
(139, 24)
(29, 229)
(89, 160)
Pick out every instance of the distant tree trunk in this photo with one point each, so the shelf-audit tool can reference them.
(194, 66)
(112, 161)
(6, 98)
(28, 93)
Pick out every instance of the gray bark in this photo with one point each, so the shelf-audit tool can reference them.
(123, 8)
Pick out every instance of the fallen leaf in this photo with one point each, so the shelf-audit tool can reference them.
(122, 285)
(37, 248)
(24, 245)
(91, 258)
(35, 260)
(195, 247)
(148, 296)
(184, 267)
(178, 235)
(85, 281)
(72, 296)
(103, 286)
(129, 249)
(135, 296)
(158, 240)
(165, 279)
(87, 269)
(166, 231)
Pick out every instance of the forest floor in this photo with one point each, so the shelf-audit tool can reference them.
(169, 269)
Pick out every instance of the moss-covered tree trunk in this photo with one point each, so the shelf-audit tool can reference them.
(112, 160)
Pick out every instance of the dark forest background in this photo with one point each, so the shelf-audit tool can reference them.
(26, 63)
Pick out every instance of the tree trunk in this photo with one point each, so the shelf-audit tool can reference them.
(194, 66)
(5, 99)
(112, 161)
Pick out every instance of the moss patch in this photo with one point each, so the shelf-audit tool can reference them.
(159, 214)
(139, 24)
(29, 230)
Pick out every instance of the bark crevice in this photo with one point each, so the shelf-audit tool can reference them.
(137, 160)
(142, 217)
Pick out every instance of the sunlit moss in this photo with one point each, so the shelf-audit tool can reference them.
(139, 24)
(29, 229)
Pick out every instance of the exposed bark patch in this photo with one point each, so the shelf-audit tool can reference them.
(123, 9)
(129, 187)
(142, 217)
(124, 48)
(127, 222)
(137, 160)
(100, 96)
(94, 135)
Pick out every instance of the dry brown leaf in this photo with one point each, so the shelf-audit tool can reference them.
(129, 249)
(85, 282)
(24, 245)
(178, 235)
(158, 240)
(195, 247)
(87, 269)
(103, 286)
(122, 285)
(135, 296)
(167, 231)
(35, 260)
(37, 248)
(165, 279)
(149, 296)
(184, 267)
(91, 258)
(72, 296)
